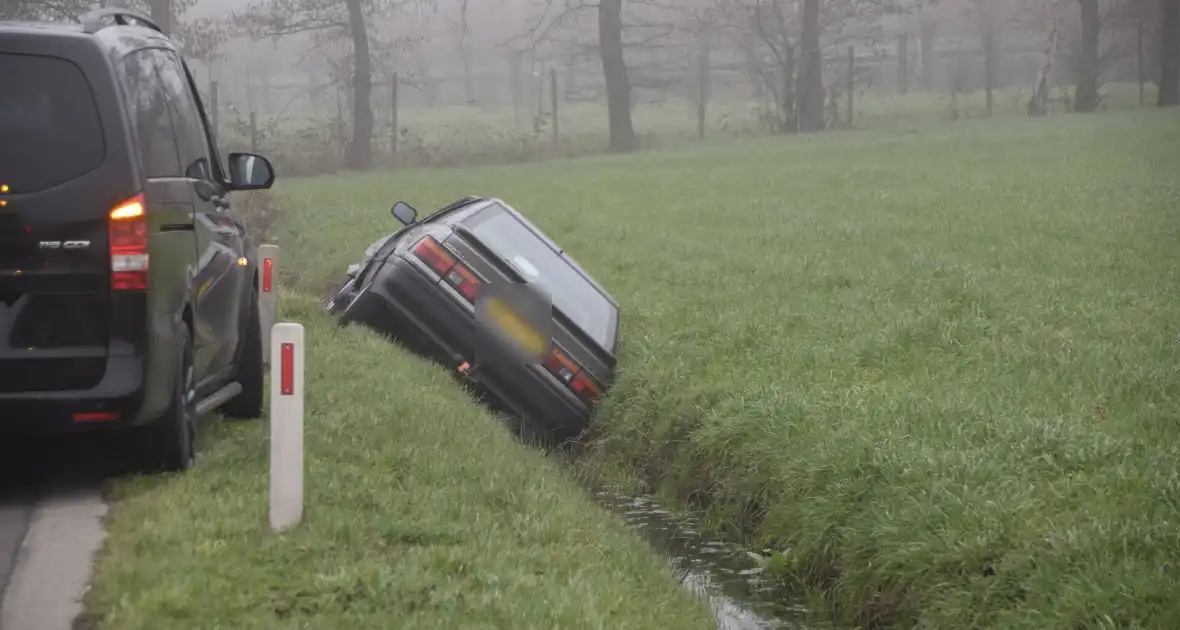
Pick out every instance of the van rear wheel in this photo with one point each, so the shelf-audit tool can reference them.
(170, 443)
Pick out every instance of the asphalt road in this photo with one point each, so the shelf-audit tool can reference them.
(50, 526)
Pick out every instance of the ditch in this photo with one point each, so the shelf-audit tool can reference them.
(721, 572)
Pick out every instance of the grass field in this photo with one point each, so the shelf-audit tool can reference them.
(421, 513)
(936, 371)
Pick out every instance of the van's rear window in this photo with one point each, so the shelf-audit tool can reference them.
(50, 131)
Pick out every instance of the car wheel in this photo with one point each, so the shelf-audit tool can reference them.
(169, 443)
(247, 405)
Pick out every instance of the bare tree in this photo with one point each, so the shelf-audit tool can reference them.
(348, 19)
(1169, 51)
(558, 22)
(465, 54)
(1088, 61)
(811, 75)
(1038, 104)
(614, 72)
(986, 17)
(927, 32)
(787, 45)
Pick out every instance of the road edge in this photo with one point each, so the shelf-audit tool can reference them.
(53, 567)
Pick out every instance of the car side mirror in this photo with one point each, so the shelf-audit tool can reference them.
(248, 171)
(404, 212)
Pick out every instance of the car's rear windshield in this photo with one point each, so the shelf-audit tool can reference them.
(572, 294)
(50, 130)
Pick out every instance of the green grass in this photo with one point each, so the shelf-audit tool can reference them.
(904, 360)
(421, 512)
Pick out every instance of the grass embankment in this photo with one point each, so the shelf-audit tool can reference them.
(936, 371)
(421, 512)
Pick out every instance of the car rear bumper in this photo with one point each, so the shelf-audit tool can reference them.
(402, 301)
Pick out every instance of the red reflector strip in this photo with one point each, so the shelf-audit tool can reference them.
(287, 369)
(268, 268)
(101, 416)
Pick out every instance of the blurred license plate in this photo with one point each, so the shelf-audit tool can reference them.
(528, 338)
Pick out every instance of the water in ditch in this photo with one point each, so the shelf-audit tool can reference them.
(721, 572)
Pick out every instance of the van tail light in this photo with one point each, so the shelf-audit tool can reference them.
(453, 272)
(128, 238)
(569, 372)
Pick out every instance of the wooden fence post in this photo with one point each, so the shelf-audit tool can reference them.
(702, 90)
(903, 58)
(393, 135)
(253, 131)
(553, 101)
(851, 81)
(1139, 65)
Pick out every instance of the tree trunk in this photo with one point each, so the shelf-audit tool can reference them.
(162, 14)
(515, 61)
(1086, 96)
(928, 29)
(360, 151)
(903, 63)
(468, 79)
(811, 80)
(788, 105)
(1038, 105)
(1169, 43)
(614, 71)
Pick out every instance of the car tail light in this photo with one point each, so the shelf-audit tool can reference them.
(128, 237)
(569, 372)
(442, 262)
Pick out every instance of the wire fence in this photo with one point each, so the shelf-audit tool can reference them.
(305, 121)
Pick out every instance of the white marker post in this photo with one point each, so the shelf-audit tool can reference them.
(286, 426)
(268, 297)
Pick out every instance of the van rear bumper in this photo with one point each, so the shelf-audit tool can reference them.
(116, 402)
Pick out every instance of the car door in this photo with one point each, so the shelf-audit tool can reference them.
(219, 280)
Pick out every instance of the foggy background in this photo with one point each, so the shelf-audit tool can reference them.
(477, 81)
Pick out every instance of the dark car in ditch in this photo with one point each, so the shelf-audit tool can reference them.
(421, 284)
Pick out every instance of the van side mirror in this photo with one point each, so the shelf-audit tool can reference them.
(404, 212)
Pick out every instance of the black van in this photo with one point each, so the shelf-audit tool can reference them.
(128, 290)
